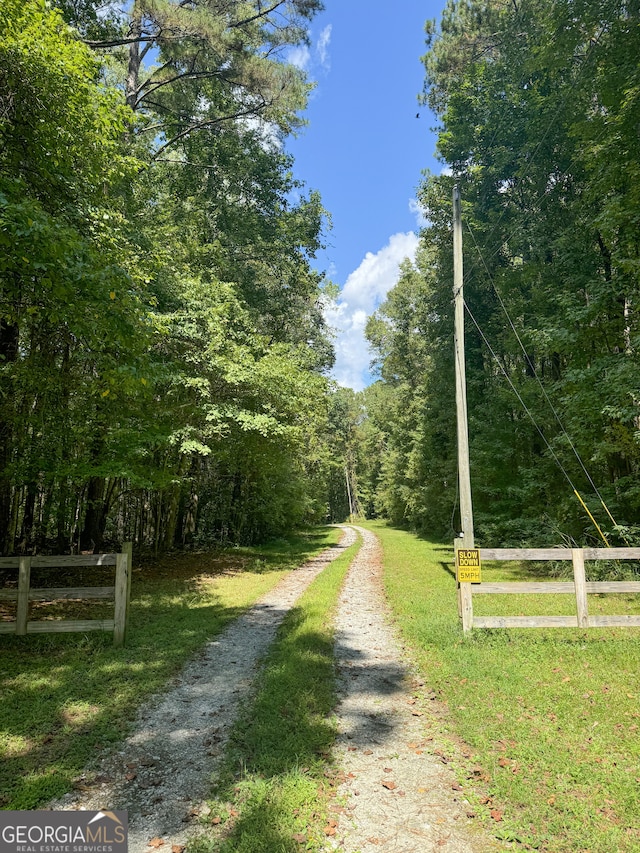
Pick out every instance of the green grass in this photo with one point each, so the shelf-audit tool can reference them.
(551, 717)
(272, 794)
(65, 698)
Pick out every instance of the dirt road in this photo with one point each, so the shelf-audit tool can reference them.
(399, 797)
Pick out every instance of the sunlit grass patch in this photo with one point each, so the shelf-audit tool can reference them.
(551, 716)
(67, 697)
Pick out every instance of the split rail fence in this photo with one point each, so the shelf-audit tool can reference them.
(579, 587)
(24, 594)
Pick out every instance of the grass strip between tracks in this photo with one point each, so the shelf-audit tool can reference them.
(273, 790)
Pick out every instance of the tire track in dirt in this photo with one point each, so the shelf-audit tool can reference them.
(398, 795)
(162, 772)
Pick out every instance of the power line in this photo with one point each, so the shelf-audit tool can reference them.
(541, 385)
(535, 423)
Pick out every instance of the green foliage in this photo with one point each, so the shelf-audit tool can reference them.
(60, 132)
(161, 337)
(534, 107)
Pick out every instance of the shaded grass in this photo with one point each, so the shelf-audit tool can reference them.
(551, 716)
(273, 790)
(64, 698)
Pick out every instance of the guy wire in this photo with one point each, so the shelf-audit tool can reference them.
(532, 419)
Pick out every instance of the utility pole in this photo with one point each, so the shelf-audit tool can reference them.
(466, 537)
(346, 479)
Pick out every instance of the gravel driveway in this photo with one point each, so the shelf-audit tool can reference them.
(162, 773)
(396, 795)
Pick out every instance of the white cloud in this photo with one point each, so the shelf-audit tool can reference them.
(304, 58)
(364, 290)
(322, 48)
(300, 56)
(417, 210)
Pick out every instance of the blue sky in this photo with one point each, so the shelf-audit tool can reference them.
(364, 150)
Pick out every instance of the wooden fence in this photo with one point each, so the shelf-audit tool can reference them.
(579, 587)
(24, 594)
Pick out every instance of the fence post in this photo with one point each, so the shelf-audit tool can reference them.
(579, 579)
(127, 548)
(22, 607)
(122, 591)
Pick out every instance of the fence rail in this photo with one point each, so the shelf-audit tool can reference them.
(24, 594)
(580, 588)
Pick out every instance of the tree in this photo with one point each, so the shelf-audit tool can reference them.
(532, 99)
(71, 318)
(213, 63)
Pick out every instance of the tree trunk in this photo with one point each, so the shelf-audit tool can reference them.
(92, 532)
(63, 536)
(9, 336)
(135, 60)
(26, 533)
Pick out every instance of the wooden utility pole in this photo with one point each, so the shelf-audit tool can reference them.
(466, 537)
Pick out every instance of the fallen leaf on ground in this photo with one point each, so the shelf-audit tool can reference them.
(155, 842)
(177, 848)
(496, 814)
(300, 837)
(389, 785)
(216, 820)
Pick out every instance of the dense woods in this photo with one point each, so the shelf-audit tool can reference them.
(163, 352)
(538, 107)
(162, 347)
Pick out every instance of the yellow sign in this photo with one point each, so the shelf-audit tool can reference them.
(468, 565)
